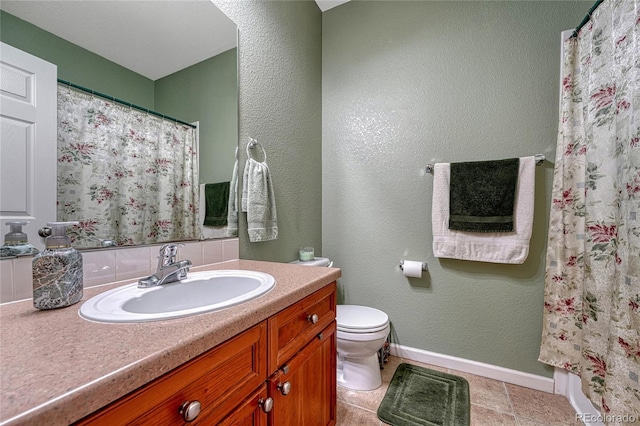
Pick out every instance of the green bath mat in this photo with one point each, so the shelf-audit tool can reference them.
(419, 396)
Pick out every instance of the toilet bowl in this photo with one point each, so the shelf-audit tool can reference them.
(362, 331)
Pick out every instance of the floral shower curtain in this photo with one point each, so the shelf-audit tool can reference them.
(124, 174)
(591, 321)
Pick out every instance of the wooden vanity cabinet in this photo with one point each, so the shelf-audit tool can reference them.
(279, 372)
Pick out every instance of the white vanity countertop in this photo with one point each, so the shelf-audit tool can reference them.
(56, 368)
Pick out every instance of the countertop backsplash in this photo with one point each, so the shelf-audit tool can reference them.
(111, 265)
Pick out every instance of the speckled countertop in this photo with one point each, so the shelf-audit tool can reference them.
(56, 368)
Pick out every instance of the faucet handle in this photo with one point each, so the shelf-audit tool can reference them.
(168, 253)
(169, 249)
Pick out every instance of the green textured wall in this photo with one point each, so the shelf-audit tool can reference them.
(280, 65)
(406, 83)
(76, 64)
(181, 95)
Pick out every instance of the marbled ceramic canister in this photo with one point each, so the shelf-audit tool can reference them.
(57, 279)
(57, 271)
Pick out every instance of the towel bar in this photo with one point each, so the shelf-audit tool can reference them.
(254, 143)
(539, 160)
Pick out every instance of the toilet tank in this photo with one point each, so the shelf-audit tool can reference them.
(317, 261)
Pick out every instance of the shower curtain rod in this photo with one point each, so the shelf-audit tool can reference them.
(129, 104)
(586, 18)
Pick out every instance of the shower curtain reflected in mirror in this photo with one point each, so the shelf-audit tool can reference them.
(591, 324)
(125, 175)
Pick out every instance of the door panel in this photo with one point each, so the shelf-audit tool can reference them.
(28, 147)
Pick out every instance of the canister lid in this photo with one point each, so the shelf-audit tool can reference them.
(58, 237)
(15, 235)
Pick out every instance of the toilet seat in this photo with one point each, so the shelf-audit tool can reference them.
(358, 319)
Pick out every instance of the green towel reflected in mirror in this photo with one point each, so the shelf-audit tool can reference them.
(216, 197)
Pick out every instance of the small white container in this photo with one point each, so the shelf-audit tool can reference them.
(306, 253)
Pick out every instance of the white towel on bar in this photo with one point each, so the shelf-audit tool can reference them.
(232, 214)
(245, 188)
(258, 200)
(494, 247)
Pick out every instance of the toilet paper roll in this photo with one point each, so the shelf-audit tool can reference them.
(412, 268)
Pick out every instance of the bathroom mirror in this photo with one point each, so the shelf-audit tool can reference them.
(173, 37)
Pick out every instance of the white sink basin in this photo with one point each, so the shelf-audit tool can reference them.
(201, 292)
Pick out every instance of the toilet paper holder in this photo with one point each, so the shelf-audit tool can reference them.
(424, 265)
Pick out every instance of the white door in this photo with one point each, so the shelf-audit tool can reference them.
(28, 141)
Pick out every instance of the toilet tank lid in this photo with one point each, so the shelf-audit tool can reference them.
(358, 317)
(317, 261)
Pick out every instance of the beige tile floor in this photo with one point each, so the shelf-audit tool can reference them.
(493, 403)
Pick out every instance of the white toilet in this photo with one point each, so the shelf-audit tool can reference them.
(362, 331)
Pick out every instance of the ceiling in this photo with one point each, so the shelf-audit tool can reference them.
(328, 4)
(139, 35)
(154, 33)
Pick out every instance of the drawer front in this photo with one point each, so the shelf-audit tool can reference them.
(217, 379)
(292, 328)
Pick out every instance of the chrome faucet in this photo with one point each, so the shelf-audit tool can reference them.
(169, 270)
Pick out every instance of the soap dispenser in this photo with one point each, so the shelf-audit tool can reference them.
(57, 270)
(16, 242)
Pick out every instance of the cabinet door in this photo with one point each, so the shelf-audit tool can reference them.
(250, 412)
(304, 389)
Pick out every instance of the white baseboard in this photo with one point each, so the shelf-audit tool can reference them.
(520, 378)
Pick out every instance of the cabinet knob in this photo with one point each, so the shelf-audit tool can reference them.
(284, 388)
(266, 404)
(190, 410)
(313, 319)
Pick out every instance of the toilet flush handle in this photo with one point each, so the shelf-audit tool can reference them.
(313, 319)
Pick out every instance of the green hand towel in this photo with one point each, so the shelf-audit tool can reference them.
(482, 195)
(216, 196)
